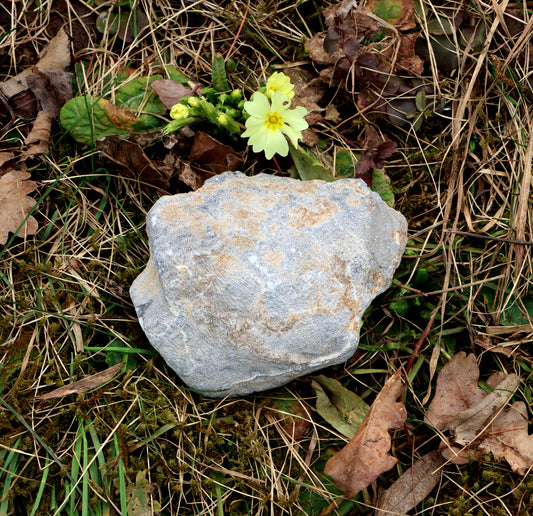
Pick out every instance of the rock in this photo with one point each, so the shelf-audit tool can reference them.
(255, 281)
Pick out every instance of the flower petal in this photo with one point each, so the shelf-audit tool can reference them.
(275, 144)
(280, 103)
(258, 107)
(295, 118)
(293, 135)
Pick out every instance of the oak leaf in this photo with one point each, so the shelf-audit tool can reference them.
(366, 456)
(15, 204)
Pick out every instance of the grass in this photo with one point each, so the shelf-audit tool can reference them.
(144, 442)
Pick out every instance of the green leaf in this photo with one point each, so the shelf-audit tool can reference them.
(307, 167)
(341, 408)
(420, 100)
(218, 75)
(344, 165)
(174, 74)
(137, 96)
(90, 118)
(381, 184)
(137, 108)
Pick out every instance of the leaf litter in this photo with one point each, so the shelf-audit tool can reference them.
(15, 204)
(477, 421)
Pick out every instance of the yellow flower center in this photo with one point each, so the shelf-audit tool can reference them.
(274, 121)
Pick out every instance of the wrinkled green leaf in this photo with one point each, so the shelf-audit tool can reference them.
(381, 184)
(90, 118)
(137, 108)
(307, 167)
(137, 96)
(341, 408)
(138, 495)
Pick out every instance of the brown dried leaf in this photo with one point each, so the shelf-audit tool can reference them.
(485, 342)
(7, 162)
(407, 59)
(193, 177)
(509, 440)
(133, 161)
(212, 154)
(15, 204)
(52, 89)
(481, 425)
(170, 92)
(87, 384)
(317, 52)
(366, 456)
(457, 390)
(412, 487)
(24, 104)
(37, 140)
(469, 424)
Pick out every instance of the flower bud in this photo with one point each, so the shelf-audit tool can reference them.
(179, 112)
(228, 123)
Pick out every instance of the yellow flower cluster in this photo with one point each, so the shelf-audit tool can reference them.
(271, 118)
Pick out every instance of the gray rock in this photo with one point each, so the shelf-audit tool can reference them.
(255, 281)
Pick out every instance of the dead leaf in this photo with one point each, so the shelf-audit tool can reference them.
(52, 89)
(212, 154)
(55, 56)
(412, 487)
(7, 162)
(481, 423)
(456, 391)
(87, 384)
(170, 92)
(407, 59)
(37, 140)
(366, 456)
(193, 177)
(508, 438)
(485, 342)
(133, 161)
(24, 105)
(15, 204)
(318, 54)
(469, 424)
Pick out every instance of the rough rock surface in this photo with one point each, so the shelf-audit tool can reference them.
(254, 281)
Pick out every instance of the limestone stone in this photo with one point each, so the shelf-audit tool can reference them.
(255, 281)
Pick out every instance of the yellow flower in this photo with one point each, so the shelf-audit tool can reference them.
(269, 122)
(278, 81)
(179, 112)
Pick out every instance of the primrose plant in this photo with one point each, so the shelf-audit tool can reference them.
(268, 117)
